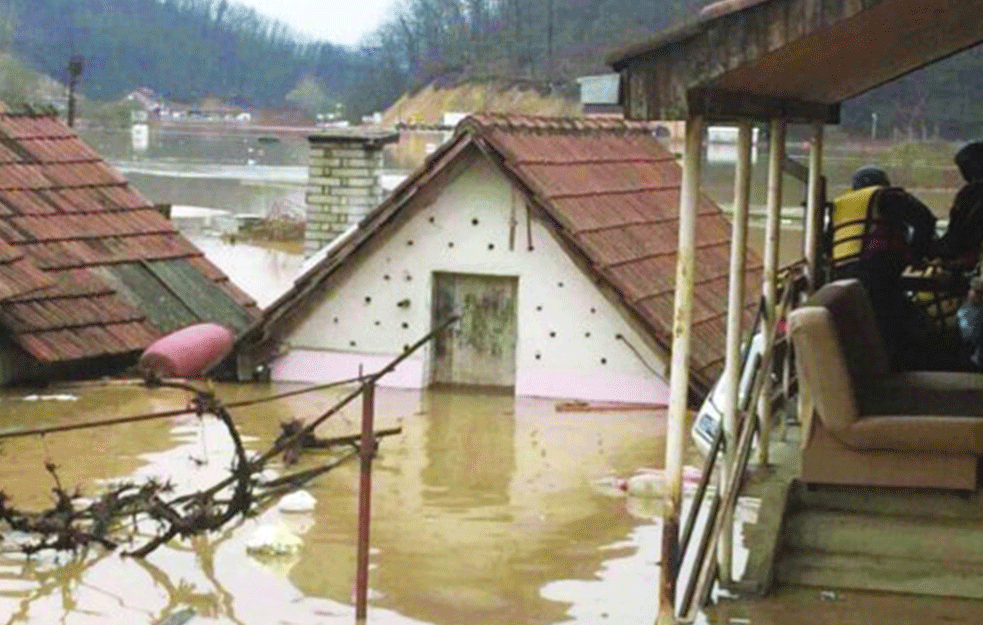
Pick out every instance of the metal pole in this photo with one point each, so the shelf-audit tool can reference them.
(776, 156)
(813, 225)
(366, 451)
(735, 312)
(679, 372)
(75, 63)
(813, 208)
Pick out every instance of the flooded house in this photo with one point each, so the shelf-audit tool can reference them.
(91, 272)
(553, 239)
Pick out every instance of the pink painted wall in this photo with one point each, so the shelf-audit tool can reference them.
(301, 365)
(321, 366)
(591, 386)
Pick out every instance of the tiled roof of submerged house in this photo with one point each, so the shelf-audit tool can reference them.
(88, 267)
(608, 190)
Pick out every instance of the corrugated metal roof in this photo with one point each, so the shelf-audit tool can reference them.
(610, 190)
(78, 247)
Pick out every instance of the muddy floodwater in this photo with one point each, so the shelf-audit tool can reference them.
(484, 511)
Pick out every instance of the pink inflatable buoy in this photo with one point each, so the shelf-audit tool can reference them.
(188, 352)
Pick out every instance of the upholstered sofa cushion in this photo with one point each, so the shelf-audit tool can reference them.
(925, 393)
(905, 432)
(821, 365)
(860, 339)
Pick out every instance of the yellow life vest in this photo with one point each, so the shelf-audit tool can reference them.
(852, 220)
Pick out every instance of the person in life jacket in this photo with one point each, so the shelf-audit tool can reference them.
(960, 245)
(876, 231)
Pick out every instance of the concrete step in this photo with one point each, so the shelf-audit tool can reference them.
(881, 573)
(900, 502)
(939, 539)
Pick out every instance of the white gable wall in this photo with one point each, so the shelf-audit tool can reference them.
(568, 345)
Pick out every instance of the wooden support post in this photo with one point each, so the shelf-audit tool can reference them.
(735, 313)
(814, 205)
(366, 452)
(776, 156)
(679, 372)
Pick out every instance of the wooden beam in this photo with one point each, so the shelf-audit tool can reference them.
(720, 105)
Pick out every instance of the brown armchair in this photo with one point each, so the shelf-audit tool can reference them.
(877, 427)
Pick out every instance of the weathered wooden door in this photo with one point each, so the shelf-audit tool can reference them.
(479, 349)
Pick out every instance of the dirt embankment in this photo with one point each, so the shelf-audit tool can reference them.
(428, 105)
(421, 114)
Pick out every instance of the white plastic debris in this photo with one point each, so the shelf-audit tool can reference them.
(273, 540)
(652, 482)
(298, 501)
(62, 397)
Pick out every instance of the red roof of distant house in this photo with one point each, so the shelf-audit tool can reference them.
(609, 190)
(88, 266)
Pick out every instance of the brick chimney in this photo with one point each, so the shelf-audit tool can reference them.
(343, 181)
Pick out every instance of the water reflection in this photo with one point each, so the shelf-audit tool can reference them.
(483, 513)
(468, 467)
(264, 272)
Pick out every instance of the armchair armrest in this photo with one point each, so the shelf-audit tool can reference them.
(924, 433)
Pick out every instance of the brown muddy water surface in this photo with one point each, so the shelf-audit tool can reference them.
(484, 511)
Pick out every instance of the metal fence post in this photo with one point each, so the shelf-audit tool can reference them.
(366, 452)
(679, 370)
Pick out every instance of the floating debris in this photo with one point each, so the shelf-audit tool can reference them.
(299, 501)
(58, 397)
(273, 540)
(179, 618)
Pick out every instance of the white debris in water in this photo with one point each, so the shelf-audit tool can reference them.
(267, 475)
(187, 429)
(81, 503)
(299, 501)
(62, 397)
(645, 485)
(273, 540)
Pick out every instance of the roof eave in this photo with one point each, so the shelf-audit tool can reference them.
(621, 57)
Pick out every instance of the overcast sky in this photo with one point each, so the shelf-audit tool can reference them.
(337, 21)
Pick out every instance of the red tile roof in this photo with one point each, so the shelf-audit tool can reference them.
(75, 241)
(608, 189)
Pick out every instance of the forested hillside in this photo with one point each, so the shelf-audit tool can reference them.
(190, 49)
(184, 49)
